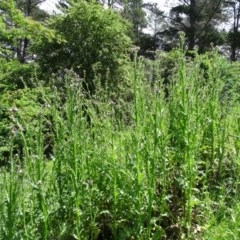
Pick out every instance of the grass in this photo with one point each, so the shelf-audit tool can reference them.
(167, 167)
(228, 227)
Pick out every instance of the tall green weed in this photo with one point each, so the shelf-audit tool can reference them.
(158, 161)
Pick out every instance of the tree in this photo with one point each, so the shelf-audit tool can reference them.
(95, 43)
(133, 11)
(198, 19)
(16, 34)
(155, 23)
(148, 41)
(234, 34)
(18, 27)
(31, 8)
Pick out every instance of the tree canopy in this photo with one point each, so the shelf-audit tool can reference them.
(94, 42)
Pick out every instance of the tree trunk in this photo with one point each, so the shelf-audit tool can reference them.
(234, 40)
(192, 22)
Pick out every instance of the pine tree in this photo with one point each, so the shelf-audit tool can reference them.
(198, 19)
(134, 12)
(233, 8)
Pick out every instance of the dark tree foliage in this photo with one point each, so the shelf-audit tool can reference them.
(233, 8)
(31, 8)
(150, 42)
(134, 12)
(199, 20)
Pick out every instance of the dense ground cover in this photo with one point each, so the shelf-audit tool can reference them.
(158, 161)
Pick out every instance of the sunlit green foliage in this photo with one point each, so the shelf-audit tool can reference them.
(17, 31)
(95, 45)
(95, 146)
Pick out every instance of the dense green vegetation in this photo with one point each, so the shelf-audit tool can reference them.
(97, 142)
(167, 167)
